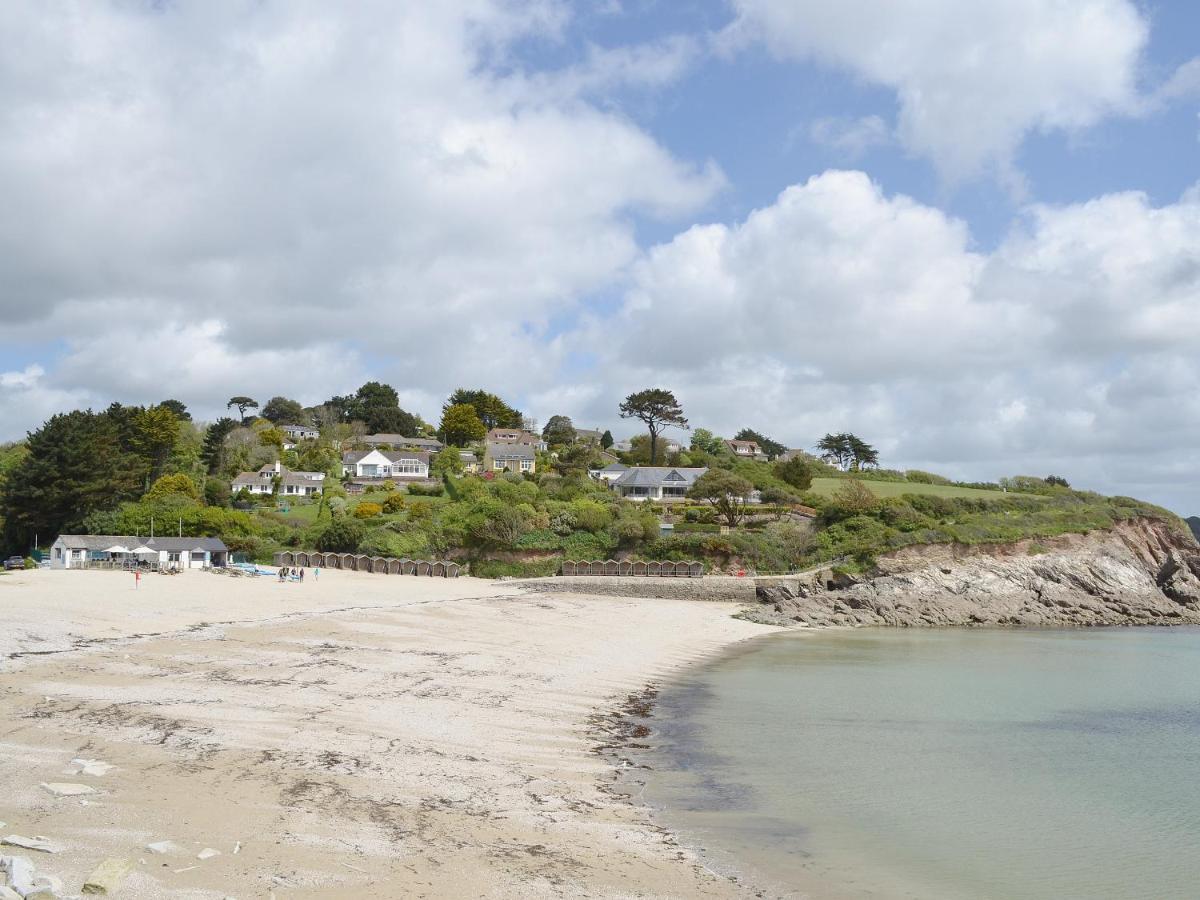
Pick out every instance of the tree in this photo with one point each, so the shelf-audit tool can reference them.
(447, 462)
(725, 491)
(283, 411)
(707, 442)
(214, 443)
(848, 452)
(76, 465)
(342, 535)
(606, 439)
(242, 404)
(854, 497)
(154, 434)
(492, 411)
(1057, 481)
(658, 409)
(796, 472)
(559, 430)
(181, 411)
(770, 447)
(376, 405)
(461, 425)
(173, 486)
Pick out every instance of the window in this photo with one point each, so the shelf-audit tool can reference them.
(173, 556)
(498, 465)
(526, 465)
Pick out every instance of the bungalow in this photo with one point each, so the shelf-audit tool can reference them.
(591, 436)
(79, 551)
(300, 432)
(398, 441)
(406, 464)
(499, 457)
(746, 449)
(291, 484)
(470, 460)
(657, 482)
(609, 473)
(517, 436)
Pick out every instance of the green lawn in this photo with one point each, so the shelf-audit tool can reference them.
(826, 487)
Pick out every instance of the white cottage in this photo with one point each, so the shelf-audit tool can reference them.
(81, 551)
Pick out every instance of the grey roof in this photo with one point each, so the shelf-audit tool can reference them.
(615, 467)
(290, 428)
(510, 451)
(100, 542)
(401, 440)
(657, 476)
(350, 457)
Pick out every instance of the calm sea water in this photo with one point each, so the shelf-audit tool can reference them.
(942, 763)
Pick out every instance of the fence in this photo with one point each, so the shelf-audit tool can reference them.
(377, 565)
(653, 569)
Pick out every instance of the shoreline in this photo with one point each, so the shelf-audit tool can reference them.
(365, 737)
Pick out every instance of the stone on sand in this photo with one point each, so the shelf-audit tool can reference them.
(108, 877)
(17, 873)
(208, 853)
(67, 789)
(34, 843)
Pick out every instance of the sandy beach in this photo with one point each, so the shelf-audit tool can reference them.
(362, 736)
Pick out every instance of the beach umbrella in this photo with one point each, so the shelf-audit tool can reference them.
(117, 548)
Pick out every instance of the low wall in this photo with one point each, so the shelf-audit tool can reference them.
(719, 588)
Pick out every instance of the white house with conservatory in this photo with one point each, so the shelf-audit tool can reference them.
(404, 464)
(657, 482)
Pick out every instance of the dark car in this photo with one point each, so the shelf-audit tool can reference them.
(14, 562)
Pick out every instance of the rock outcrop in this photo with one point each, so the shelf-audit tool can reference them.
(1141, 572)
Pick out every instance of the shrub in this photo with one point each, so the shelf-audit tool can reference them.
(436, 489)
(916, 476)
(493, 568)
(173, 486)
(342, 535)
(590, 515)
(367, 510)
(394, 503)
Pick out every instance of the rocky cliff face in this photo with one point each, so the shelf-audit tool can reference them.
(1142, 572)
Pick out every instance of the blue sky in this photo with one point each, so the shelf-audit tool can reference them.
(969, 232)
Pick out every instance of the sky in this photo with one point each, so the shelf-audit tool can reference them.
(967, 232)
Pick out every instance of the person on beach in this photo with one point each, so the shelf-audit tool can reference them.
(302, 575)
(317, 574)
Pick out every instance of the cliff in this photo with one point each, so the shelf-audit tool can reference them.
(1194, 524)
(1141, 572)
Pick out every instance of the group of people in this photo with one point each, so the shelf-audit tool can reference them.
(287, 573)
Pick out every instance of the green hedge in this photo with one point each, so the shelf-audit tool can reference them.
(494, 568)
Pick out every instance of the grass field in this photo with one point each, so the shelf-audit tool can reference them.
(826, 487)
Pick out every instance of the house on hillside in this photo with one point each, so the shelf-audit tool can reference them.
(746, 449)
(657, 482)
(300, 432)
(400, 442)
(609, 473)
(498, 457)
(407, 465)
(590, 436)
(516, 436)
(470, 460)
(81, 551)
(291, 483)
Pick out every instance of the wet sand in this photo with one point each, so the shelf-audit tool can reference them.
(364, 736)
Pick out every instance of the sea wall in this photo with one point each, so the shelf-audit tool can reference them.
(1142, 572)
(721, 588)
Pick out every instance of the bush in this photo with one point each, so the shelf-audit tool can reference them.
(916, 476)
(590, 515)
(427, 490)
(394, 503)
(366, 510)
(30, 562)
(494, 568)
(342, 535)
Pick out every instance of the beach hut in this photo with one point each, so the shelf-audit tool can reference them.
(696, 570)
(626, 568)
(611, 567)
(362, 563)
(301, 558)
(285, 558)
(394, 566)
(453, 570)
(438, 570)
(638, 568)
(567, 568)
(424, 567)
(653, 568)
(408, 566)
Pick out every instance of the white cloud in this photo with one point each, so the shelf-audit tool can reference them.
(971, 79)
(851, 136)
(286, 186)
(1072, 348)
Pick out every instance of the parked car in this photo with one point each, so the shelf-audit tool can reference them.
(14, 562)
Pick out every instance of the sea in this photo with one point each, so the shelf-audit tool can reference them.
(929, 763)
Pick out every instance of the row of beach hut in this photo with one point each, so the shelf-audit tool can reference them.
(359, 562)
(653, 569)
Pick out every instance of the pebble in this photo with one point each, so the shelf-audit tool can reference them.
(108, 877)
(18, 873)
(208, 853)
(91, 767)
(163, 847)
